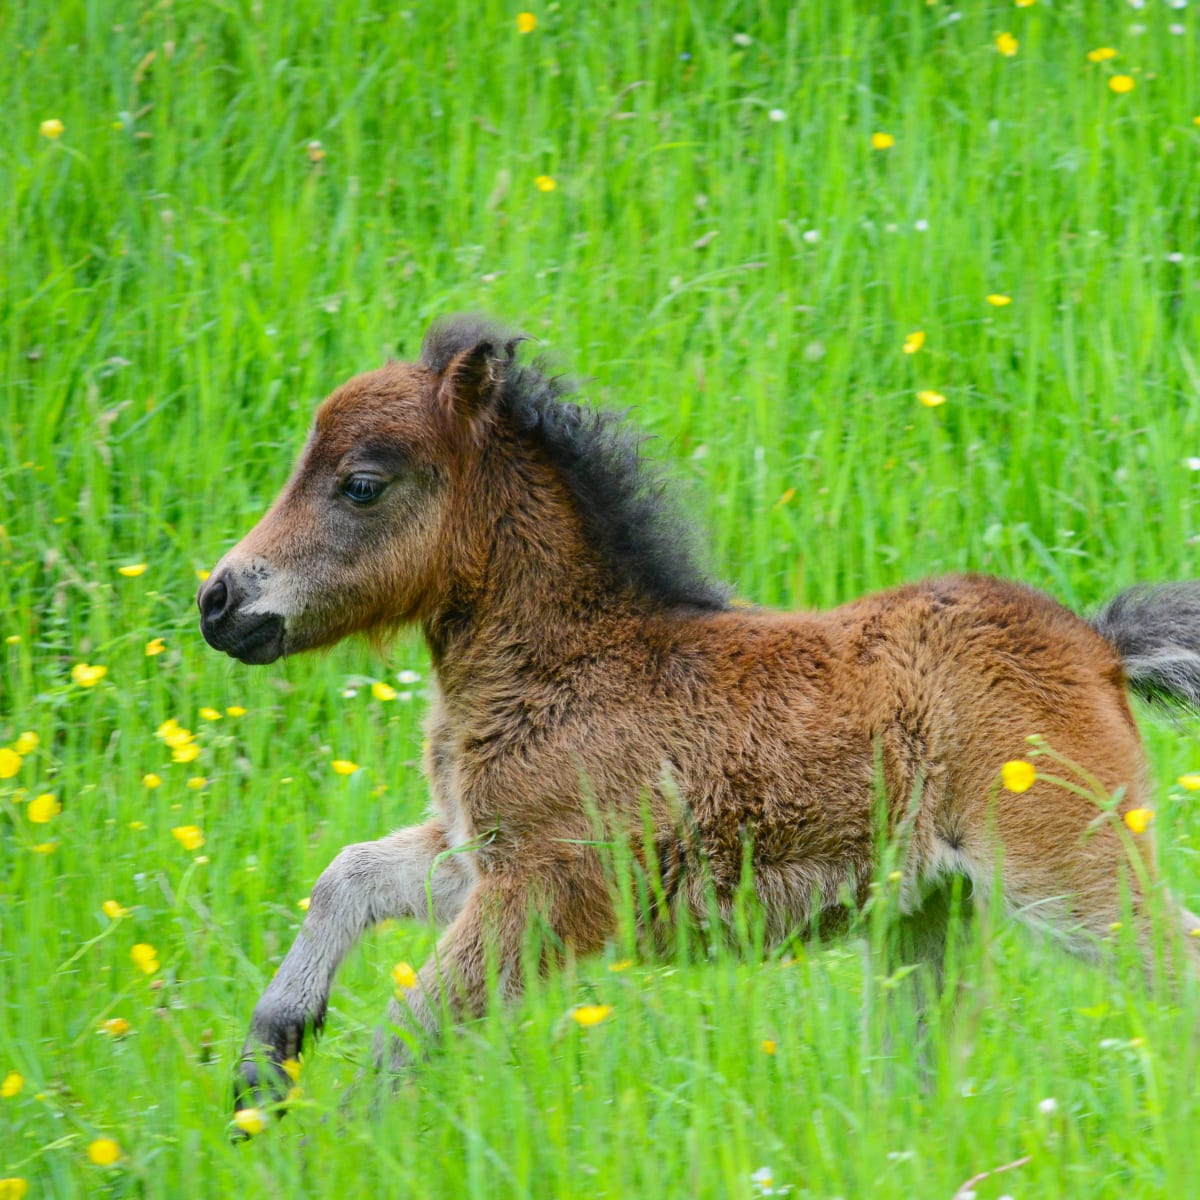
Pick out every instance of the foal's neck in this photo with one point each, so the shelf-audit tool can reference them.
(533, 592)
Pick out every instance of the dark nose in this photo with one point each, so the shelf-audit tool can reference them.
(214, 600)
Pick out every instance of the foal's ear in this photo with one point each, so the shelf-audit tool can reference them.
(472, 378)
(469, 357)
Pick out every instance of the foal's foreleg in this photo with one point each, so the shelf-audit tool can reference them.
(484, 954)
(365, 884)
(488, 931)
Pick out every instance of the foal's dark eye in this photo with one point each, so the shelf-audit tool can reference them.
(362, 489)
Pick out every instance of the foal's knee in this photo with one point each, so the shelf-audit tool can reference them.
(351, 863)
(348, 883)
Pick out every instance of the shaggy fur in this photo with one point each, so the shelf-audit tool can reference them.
(627, 514)
(587, 672)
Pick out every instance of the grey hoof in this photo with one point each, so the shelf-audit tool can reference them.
(259, 1083)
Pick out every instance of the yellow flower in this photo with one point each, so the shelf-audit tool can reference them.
(1138, 818)
(202, 574)
(13, 1083)
(383, 691)
(403, 976)
(768, 1046)
(190, 837)
(45, 847)
(1101, 54)
(151, 781)
(44, 808)
(931, 399)
(622, 964)
(914, 341)
(115, 1027)
(996, 300)
(545, 183)
(882, 141)
(166, 727)
(1017, 775)
(1025, 3)
(590, 1014)
(526, 22)
(291, 1068)
(104, 1152)
(132, 571)
(174, 734)
(343, 766)
(86, 675)
(186, 753)
(10, 762)
(14, 639)
(114, 911)
(155, 646)
(1122, 84)
(145, 957)
(235, 710)
(788, 495)
(251, 1121)
(53, 128)
(13, 1188)
(303, 904)
(1191, 782)
(211, 714)
(1007, 44)
(197, 782)
(27, 742)
(137, 826)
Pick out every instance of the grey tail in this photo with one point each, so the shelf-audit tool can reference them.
(1156, 630)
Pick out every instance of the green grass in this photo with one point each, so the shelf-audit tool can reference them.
(180, 283)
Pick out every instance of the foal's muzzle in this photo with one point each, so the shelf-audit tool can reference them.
(255, 638)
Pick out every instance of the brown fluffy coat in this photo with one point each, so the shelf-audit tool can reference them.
(588, 674)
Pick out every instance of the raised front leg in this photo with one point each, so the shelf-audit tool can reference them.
(367, 883)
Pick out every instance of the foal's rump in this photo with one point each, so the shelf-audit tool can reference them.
(984, 672)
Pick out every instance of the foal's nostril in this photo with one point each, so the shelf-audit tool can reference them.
(213, 600)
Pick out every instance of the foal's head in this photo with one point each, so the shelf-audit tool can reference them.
(352, 542)
(420, 478)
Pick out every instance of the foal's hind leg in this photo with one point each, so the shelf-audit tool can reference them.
(928, 938)
(928, 935)
(1068, 870)
(365, 884)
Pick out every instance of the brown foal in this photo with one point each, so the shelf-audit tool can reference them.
(586, 669)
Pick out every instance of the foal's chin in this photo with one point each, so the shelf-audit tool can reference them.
(258, 644)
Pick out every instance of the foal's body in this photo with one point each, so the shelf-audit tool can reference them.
(589, 678)
(773, 728)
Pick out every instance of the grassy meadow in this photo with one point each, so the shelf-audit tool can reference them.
(899, 287)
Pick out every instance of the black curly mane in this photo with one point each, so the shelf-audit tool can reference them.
(623, 500)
